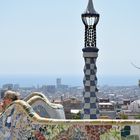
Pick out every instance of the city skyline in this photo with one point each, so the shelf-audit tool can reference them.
(47, 37)
(29, 81)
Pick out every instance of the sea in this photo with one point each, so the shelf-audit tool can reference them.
(72, 80)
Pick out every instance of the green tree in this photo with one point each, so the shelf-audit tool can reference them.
(123, 116)
(76, 116)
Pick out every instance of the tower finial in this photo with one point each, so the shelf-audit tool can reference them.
(90, 8)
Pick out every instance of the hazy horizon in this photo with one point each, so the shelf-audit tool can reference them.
(72, 80)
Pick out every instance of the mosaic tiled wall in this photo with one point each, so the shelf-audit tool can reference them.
(20, 122)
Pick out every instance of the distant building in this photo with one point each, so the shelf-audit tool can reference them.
(63, 88)
(111, 97)
(69, 105)
(135, 106)
(16, 86)
(51, 88)
(58, 82)
(103, 100)
(126, 101)
(7, 86)
(107, 109)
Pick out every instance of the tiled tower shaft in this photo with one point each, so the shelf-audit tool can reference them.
(90, 54)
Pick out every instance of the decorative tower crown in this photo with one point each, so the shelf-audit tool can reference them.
(90, 16)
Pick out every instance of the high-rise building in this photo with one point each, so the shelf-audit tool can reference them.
(58, 82)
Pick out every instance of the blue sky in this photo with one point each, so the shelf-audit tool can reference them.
(46, 37)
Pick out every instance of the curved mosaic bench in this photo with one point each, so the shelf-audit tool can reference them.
(21, 122)
(44, 107)
(34, 94)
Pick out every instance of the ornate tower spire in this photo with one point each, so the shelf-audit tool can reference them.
(90, 19)
(90, 8)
